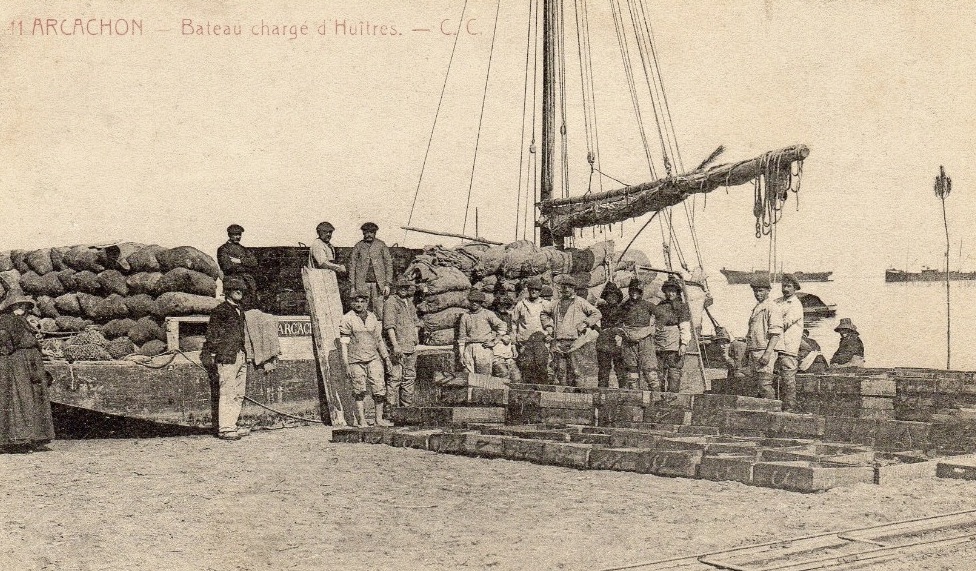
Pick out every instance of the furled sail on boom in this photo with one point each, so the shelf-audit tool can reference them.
(563, 215)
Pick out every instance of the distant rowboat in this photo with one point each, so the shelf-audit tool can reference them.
(738, 277)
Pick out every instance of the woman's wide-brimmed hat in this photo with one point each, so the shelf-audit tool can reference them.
(16, 299)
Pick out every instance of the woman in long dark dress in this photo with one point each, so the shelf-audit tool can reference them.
(25, 409)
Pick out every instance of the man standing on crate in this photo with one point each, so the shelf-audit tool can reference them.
(321, 254)
(401, 324)
(672, 334)
(788, 346)
(364, 354)
(765, 330)
(571, 323)
(235, 260)
(224, 347)
(371, 268)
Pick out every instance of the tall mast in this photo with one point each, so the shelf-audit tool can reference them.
(549, 23)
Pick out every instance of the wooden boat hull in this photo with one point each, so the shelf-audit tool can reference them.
(900, 276)
(736, 277)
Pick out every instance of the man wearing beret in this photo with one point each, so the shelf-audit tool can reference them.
(321, 254)
(235, 260)
(765, 330)
(478, 331)
(224, 346)
(371, 268)
(364, 354)
(569, 322)
(788, 346)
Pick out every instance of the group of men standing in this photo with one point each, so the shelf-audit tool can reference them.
(378, 336)
(571, 341)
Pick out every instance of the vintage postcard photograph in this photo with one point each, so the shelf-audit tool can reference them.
(479, 284)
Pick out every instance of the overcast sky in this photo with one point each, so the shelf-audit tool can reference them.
(168, 138)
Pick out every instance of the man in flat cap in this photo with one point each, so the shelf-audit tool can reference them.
(672, 334)
(571, 322)
(224, 346)
(764, 332)
(371, 268)
(321, 254)
(364, 354)
(235, 260)
(478, 331)
(789, 343)
(401, 324)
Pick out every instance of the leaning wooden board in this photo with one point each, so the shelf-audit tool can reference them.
(325, 309)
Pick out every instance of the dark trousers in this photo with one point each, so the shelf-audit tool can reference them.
(670, 370)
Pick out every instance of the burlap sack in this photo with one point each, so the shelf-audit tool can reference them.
(146, 329)
(71, 323)
(152, 348)
(445, 319)
(30, 283)
(40, 261)
(11, 280)
(146, 282)
(442, 301)
(86, 353)
(57, 258)
(180, 303)
(117, 328)
(47, 306)
(141, 305)
(441, 337)
(447, 279)
(19, 260)
(67, 279)
(6, 264)
(68, 304)
(112, 307)
(190, 258)
(89, 304)
(144, 259)
(189, 281)
(113, 282)
(120, 347)
(87, 281)
(118, 255)
(85, 258)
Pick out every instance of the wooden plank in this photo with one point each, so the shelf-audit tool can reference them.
(325, 308)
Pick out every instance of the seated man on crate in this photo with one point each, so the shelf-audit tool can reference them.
(364, 355)
(850, 352)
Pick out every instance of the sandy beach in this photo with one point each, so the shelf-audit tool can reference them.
(290, 499)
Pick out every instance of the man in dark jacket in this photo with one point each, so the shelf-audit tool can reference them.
(235, 260)
(371, 268)
(850, 352)
(225, 347)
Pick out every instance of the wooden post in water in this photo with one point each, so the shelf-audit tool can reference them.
(943, 185)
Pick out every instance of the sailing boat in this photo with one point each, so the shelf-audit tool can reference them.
(560, 217)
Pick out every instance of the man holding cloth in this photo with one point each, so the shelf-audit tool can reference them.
(789, 343)
(401, 324)
(764, 332)
(224, 346)
(571, 322)
(371, 268)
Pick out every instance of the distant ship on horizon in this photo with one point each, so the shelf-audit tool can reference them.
(739, 277)
(926, 275)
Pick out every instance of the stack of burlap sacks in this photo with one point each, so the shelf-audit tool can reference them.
(114, 297)
(501, 272)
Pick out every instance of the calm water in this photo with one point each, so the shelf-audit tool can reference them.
(901, 325)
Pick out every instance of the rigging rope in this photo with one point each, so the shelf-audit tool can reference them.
(437, 112)
(525, 101)
(631, 85)
(481, 116)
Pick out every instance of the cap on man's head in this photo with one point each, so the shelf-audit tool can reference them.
(324, 227)
(672, 284)
(760, 282)
(404, 281)
(546, 290)
(535, 282)
(359, 294)
(477, 295)
(635, 284)
(791, 279)
(369, 227)
(234, 283)
(565, 279)
(235, 229)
